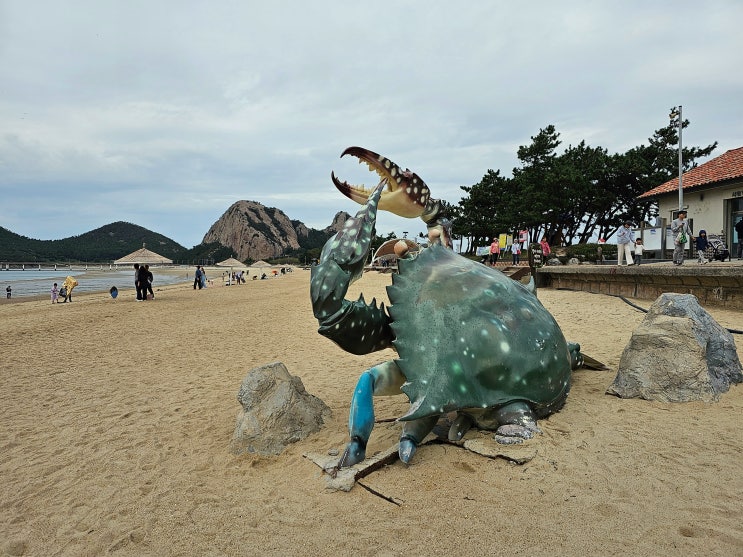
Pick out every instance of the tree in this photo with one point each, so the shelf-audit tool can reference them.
(577, 195)
(538, 195)
(642, 168)
(480, 212)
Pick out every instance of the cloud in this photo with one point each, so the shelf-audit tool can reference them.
(163, 114)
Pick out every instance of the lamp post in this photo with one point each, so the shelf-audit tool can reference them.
(676, 118)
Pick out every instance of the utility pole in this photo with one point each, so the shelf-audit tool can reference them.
(676, 117)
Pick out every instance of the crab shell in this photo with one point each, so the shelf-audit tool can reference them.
(468, 337)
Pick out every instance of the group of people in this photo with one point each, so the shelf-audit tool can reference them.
(237, 277)
(143, 282)
(199, 280)
(64, 292)
(681, 233)
(495, 251)
(627, 244)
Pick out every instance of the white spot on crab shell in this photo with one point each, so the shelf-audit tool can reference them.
(415, 190)
(398, 180)
(387, 163)
(461, 339)
(408, 190)
(415, 180)
(393, 172)
(505, 347)
(484, 332)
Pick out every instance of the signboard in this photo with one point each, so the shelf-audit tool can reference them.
(523, 237)
(536, 257)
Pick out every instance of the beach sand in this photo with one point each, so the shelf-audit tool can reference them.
(116, 419)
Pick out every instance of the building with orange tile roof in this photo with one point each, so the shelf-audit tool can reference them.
(713, 196)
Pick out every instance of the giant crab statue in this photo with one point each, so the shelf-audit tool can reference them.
(469, 339)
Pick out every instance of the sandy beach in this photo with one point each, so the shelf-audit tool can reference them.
(117, 416)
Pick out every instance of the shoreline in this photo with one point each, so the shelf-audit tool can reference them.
(174, 274)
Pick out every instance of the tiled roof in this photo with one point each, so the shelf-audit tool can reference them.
(727, 166)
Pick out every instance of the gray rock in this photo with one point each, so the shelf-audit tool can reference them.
(573, 261)
(679, 353)
(276, 411)
(553, 262)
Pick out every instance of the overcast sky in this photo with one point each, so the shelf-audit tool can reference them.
(163, 114)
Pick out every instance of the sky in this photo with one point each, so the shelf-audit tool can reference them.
(164, 114)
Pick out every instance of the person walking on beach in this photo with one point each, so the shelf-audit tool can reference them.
(739, 230)
(67, 286)
(136, 282)
(142, 276)
(702, 245)
(515, 251)
(681, 234)
(55, 294)
(546, 250)
(8, 290)
(494, 251)
(149, 282)
(625, 241)
(638, 251)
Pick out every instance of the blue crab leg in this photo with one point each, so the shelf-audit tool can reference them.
(413, 432)
(357, 327)
(576, 358)
(382, 380)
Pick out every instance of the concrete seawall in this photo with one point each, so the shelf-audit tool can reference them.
(714, 284)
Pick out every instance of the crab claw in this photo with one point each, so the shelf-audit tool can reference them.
(406, 194)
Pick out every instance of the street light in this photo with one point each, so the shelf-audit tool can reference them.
(676, 118)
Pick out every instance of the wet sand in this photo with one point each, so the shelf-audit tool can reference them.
(117, 416)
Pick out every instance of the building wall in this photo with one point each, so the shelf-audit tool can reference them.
(710, 209)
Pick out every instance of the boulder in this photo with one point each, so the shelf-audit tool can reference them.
(277, 410)
(554, 262)
(679, 353)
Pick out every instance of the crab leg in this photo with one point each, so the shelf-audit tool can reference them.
(382, 380)
(357, 327)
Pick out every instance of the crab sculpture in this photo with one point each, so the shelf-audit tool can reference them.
(469, 339)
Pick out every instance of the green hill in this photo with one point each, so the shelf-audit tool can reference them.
(101, 245)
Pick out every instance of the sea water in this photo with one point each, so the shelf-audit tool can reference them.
(33, 282)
